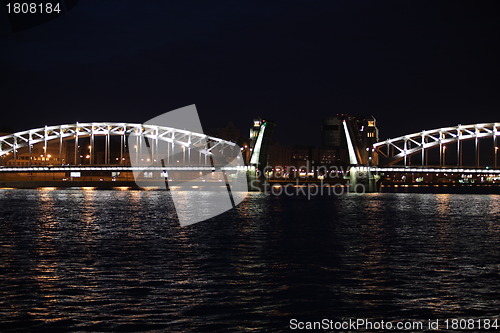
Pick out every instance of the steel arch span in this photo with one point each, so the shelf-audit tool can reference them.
(401, 148)
(11, 146)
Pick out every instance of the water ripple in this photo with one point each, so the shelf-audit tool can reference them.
(118, 260)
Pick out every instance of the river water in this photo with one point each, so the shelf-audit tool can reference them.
(97, 260)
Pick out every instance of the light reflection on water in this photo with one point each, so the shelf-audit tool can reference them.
(117, 260)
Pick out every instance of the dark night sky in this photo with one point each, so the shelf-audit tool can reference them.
(414, 65)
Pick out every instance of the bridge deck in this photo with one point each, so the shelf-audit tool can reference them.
(434, 170)
(117, 168)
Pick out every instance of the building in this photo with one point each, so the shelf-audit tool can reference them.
(280, 155)
(339, 148)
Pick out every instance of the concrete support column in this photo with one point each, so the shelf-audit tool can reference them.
(477, 152)
(15, 151)
(76, 143)
(30, 149)
(122, 144)
(405, 147)
(91, 152)
(423, 149)
(495, 148)
(362, 180)
(440, 149)
(45, 144)
(60, 145)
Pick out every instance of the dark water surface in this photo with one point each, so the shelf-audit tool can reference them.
(118, 260)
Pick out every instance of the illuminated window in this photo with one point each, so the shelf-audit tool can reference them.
(371, 123)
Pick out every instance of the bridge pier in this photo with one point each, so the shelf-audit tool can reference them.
(256, 180)
(363, 180)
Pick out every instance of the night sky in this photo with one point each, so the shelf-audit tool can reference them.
(413, 65)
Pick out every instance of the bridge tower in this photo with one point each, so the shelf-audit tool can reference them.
(360, 135)
(258, 150)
